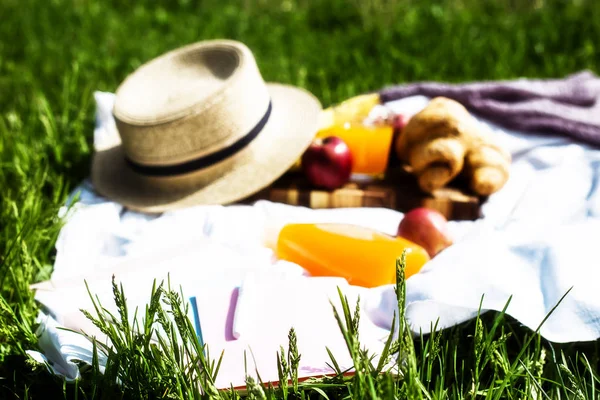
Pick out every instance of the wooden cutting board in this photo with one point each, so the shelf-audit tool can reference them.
(399, 191)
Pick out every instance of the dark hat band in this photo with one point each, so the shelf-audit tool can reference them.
(204, 161)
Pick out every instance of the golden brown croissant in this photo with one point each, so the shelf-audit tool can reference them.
(442, 140)
(487, 167)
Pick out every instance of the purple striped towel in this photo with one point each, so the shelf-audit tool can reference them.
(569, 106)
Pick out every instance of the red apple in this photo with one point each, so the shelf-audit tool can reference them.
(327, 163)
(399, 121)
(426, 227)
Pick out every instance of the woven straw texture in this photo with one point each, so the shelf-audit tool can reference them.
(190, 103)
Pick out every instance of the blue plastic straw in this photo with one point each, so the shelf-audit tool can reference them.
(197, 320)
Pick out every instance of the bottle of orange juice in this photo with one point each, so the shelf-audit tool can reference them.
(363, 256)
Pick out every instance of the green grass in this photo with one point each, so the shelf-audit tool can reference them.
(55, 53)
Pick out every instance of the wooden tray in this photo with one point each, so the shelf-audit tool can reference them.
(399, 191)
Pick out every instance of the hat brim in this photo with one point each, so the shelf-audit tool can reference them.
(292, 126)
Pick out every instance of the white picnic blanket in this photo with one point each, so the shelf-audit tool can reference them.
(537, 239)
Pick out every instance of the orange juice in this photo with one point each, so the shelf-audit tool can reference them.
(370, 145)
(364, 257)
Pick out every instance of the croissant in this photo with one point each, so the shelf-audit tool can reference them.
(443, 141)
(487, 167)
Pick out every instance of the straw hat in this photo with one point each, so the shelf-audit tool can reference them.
(198, 125)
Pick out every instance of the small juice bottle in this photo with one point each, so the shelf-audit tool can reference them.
(364, 257)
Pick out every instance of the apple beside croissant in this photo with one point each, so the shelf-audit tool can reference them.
(443, 141)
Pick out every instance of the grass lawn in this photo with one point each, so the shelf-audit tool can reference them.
(55, 53)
